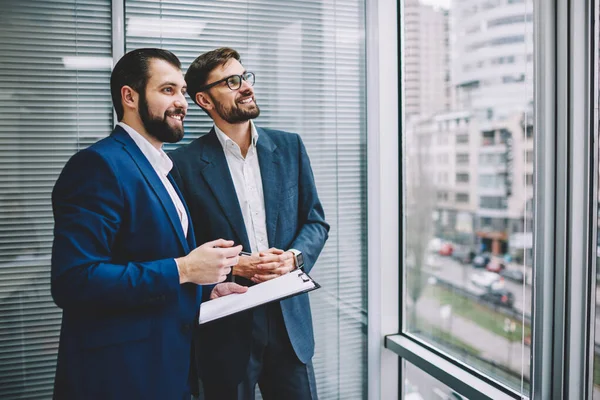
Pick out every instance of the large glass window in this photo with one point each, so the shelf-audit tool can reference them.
(467, 262)
(55, 60)
(309, 61)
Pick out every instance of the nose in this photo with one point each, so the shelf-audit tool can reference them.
(246, 86)
(181, 102)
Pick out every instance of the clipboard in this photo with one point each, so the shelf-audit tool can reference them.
(282, 287)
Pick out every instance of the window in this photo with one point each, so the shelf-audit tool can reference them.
(462, 178)
(462, 158)
(462, 138)
(55, 73)
(451, 301)
(529, 179)
(529, 156)
(492, 202)
(462, 197)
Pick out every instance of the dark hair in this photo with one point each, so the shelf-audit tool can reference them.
(132, 70)
(198, 72)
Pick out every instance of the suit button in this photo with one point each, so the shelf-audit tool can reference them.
(186, 328)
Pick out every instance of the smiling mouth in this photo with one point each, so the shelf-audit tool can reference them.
(247, 100)
(178, 116)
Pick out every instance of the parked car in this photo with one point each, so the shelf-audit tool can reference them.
(481, 260)
(446, 249)
(487, 280)
(513, 274)
(495, 266)
(463, 254)
(434, 245)
(501, 297)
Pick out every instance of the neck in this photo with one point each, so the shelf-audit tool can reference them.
(239, 133)
(136, 123)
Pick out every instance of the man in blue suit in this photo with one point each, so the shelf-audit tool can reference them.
(125, 267)
(256, 186)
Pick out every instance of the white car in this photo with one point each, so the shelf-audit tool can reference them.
(487, 280)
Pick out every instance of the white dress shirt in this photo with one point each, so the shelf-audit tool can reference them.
(162, 165)
(245, 173)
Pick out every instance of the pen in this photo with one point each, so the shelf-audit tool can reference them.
(245, 253)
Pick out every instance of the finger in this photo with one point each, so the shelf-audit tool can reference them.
(286, 256)
(230, 252)
(226, 270)
(263, 278)
(269, 266)
(219, 243)
(231, 261)
(230, 288)
(269, 258)
(275, 250)
(282, 270)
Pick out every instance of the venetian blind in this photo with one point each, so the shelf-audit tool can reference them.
(55, 59)
(309, 60)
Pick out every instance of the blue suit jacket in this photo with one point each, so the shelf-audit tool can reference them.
(127, 322)
(294, 218)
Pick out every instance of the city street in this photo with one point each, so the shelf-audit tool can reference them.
(458, 274)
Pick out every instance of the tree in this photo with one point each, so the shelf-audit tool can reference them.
(421, 198)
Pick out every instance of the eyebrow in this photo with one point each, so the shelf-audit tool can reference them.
(169, 84)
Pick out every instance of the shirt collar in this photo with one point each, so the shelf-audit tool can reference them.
(224, 139)
(159, 160)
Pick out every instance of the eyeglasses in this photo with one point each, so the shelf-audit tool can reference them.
(234, 81)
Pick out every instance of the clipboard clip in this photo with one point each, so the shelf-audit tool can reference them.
(303, 276)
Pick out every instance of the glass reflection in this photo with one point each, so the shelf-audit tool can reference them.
(418, 385)
(468, 181)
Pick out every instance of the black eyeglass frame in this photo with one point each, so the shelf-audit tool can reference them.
(243, 77)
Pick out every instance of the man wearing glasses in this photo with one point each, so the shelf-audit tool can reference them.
(256, 186)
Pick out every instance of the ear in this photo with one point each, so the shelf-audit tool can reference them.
(129, 98)
(204, 101)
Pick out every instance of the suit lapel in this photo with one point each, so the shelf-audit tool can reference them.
(268, 159)
(191, 238)
(217, 176)
(153, 180)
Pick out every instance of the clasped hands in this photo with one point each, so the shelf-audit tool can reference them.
(212, 262)
(265, 265)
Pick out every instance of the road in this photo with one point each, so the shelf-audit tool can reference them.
(491, 346)
(459, 275)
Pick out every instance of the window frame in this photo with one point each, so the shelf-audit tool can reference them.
(564, 236)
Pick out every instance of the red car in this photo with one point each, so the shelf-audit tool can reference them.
(446, 249)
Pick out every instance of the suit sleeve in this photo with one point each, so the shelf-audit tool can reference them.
(313, 230)
(88, 205)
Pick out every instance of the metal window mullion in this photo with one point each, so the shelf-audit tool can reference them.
(594, 57)
(545, 137)
(580, 112)
(564, 187)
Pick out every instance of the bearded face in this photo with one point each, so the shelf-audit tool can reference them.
(168, 127)
(242, 109)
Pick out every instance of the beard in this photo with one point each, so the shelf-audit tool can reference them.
(160, 128)
(235, 114)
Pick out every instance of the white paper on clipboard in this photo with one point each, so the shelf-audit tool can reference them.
(290, 284)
